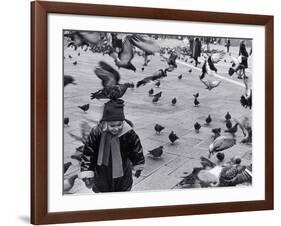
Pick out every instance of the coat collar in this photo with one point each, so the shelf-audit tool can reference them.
(126, 128)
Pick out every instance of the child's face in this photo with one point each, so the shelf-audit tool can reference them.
(115, 127)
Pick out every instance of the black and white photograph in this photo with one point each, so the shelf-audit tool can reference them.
(148, 112)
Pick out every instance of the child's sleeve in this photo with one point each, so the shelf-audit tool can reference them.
(87, 162)
(136, 152)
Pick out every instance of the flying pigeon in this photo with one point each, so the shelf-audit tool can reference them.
(173, 137)
(75, 63)
(84, 107)
(68, 79)
(180, 77)
(148, 45)
(124, 57)
(156, 75)
(110, 81)
(210, 84)
(84, 38)
(157, 152)
(85, 129)
(126, 54)
(158, 128)
(190, 70)
(209, 62)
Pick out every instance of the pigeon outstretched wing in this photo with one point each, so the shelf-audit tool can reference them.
(82, 38)
(210, 84)
(206, 83)
(156, 75)
(217, 57)
(108, 75)
(68, 79)
(127, 53)
(145, 44)
(85, 129)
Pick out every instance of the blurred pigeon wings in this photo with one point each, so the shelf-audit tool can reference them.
(210, 84)
(217, 57)
(124, 57)
(145, 44)
(108, 75)
(156, 75)
(82, 38)
(110, 81)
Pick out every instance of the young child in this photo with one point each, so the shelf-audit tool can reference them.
(243, 58)
(112, 151)
(246, 99)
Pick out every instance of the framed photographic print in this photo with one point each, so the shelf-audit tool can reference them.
(147, 112)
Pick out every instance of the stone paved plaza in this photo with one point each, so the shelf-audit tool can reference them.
(178, 158)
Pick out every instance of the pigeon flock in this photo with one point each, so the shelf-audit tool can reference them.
(118, 57)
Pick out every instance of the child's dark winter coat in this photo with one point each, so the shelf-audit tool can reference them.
(131, 154)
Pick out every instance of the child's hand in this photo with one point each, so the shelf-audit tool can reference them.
(138, 173)
(137, 170)
(89, 182)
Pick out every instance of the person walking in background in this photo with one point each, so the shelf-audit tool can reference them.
(208, 40)
(227, 45)
(112, 151)
(196, 50)
(243, 58)
(191, 45)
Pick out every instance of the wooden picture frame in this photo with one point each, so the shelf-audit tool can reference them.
(39, 111)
